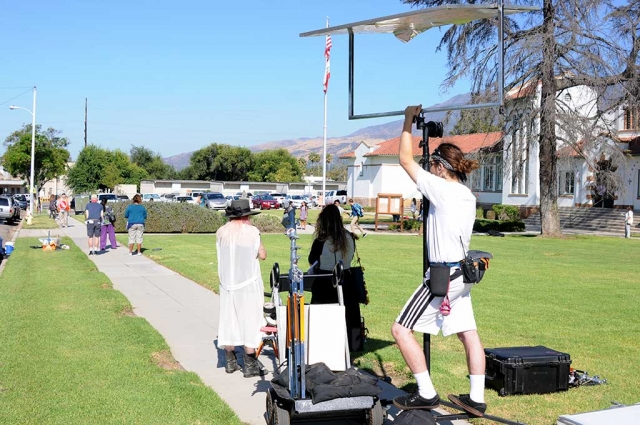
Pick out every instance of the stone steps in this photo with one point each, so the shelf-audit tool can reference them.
(589, 219)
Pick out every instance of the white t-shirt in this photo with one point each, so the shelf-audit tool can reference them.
(629, 217)
(237, 244)
(452, 212)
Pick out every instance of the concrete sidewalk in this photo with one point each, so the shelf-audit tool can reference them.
(186, 315)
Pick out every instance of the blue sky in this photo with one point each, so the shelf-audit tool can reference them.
(176, 76)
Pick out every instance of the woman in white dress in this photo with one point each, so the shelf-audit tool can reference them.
(241, 288)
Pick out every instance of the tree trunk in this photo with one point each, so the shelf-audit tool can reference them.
(549, 218)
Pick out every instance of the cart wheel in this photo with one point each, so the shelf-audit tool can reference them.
(270, 405)
(502, 392)
(281, 416)
(376, 414)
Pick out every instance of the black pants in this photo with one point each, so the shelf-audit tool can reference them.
(323, 292)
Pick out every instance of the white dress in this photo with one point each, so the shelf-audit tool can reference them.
(241, 287)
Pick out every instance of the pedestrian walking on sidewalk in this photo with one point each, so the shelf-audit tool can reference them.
(107, 229)
(356, 213)
(304, 212)
(241, 288)
(63, 210)
(136, 216)
(93, 215)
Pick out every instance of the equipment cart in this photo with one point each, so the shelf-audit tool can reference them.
(292, 403)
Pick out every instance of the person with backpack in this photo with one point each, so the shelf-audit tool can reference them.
(107, 228)
(356, 213)
(289, 216)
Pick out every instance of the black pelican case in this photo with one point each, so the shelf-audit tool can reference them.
(527, 370)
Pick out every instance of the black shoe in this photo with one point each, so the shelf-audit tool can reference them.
(253, 366)
(90, 252)
(464, 401)
(415, 401)
(231, 362)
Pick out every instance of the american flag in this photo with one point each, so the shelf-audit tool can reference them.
(327, 67)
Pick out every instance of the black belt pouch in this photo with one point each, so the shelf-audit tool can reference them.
(439, 279)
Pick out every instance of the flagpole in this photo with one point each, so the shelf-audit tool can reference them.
(324, 143)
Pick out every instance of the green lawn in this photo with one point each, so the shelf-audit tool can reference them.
(41, 221)
(73, 353)
(578, 295)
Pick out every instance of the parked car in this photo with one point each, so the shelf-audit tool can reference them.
(185, 199)
(280, 197)
(312, 201)
(333, 195)
(7, 209)
(22, 201)
(296, 200)
(110, 197)
(264, 202)
(16, 210)
(168, 197)
(122, 198)
(215, 200)
(154, 197)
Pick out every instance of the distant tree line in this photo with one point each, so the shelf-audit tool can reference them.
(100, 169)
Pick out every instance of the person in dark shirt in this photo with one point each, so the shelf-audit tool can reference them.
(93, 215)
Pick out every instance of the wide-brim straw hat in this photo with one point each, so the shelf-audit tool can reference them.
(239, 208)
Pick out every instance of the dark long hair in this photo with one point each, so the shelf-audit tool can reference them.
(330, 226)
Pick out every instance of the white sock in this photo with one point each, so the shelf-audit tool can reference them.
(425, 386)
(477, 388)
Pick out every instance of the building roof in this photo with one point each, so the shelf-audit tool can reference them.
(468, 143)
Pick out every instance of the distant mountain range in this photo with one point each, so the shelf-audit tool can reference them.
(337, 146)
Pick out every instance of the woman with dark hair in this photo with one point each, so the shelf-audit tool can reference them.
(136, 215)
(449, 222)
(333, 243)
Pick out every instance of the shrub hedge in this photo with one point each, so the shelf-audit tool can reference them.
(172, 217)
(506, 212)
(484, 225)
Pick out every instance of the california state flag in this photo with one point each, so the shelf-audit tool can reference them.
(327, 66)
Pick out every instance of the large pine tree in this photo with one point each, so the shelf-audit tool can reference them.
(566, 43)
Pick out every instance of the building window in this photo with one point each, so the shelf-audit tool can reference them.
(475, 180)
(631, 118)
(492, 174)
(567, 97)
(519, 163)
(566, 183)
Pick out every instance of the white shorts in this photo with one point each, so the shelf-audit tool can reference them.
(241, 316)
(422, 311)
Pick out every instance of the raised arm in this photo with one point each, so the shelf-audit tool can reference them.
(406, 143)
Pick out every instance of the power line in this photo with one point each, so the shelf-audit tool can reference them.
(7, 101)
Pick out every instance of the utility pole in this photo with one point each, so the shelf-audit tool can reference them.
(85, 122)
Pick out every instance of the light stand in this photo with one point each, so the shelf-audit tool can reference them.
(429, 129)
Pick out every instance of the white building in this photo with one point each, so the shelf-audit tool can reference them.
(376, 169)
(509, 172)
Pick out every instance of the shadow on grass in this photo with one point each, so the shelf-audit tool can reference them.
(372, 346)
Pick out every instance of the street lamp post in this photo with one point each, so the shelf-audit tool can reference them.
(33, 144)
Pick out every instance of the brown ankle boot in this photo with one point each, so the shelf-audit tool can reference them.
(232, 362)
(253, 366)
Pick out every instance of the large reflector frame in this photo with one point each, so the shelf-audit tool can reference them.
(406, 26)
